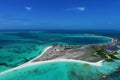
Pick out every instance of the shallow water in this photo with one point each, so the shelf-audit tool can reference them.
(63, 70)
(18, 47)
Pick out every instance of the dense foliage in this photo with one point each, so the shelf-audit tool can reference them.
(104, 54)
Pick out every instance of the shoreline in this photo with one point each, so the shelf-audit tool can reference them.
(30, 63)
(40, 54)
(98, 64)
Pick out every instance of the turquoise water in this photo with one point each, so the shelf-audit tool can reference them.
(18, 47)
(64, 71)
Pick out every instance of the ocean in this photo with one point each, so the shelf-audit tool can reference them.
(19, 47)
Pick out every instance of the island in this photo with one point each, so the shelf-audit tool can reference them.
(89, 53)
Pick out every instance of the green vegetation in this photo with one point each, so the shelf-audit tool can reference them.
(104, 54)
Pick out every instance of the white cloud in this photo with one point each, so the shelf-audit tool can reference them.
(80, 8)
(77, 8)
(29, 8)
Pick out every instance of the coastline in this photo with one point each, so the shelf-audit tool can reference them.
(98, 64)
(40, 54)
(31, 63)
(28, 61)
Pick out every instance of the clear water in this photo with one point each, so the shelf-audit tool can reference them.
(64, 71)
(18, 47)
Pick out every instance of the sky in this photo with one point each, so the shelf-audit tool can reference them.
(59, 14)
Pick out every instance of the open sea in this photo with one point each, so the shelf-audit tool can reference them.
(19, 47)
